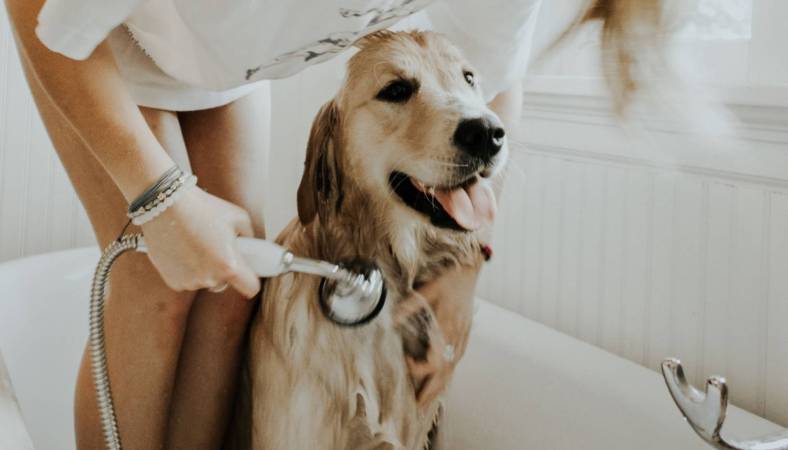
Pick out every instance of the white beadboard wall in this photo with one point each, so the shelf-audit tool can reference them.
(38, 208)
(675, 248)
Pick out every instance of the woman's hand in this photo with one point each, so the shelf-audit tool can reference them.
(435, 322)
(193, 244)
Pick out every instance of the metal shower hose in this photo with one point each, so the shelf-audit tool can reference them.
(98, 354)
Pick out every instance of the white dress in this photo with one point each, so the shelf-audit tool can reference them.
(195, 54)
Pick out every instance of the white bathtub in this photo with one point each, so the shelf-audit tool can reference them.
(521, 386)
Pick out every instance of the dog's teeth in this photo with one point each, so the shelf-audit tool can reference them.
(431, 190)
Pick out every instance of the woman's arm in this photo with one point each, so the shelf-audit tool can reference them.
(94, 99)
(191, 244)
(509, 107)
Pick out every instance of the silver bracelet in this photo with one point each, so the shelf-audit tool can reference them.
(167, 178)
(160, 196)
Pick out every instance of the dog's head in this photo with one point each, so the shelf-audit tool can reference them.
(411, 130)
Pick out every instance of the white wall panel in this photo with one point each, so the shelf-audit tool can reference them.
(638, 245)
(658, 318)
(611, 268)
(568, 285)
(550, 242)
(719, 275)
(685, 290)
(38, 208)
(591, 256)
(653, 244)
(776, 357)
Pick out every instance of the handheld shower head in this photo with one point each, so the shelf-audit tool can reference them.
(356, 298)
(350, 294)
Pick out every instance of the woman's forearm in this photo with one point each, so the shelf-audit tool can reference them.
(95, 101)
(509, 106)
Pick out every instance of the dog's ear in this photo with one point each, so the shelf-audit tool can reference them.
(321, 184)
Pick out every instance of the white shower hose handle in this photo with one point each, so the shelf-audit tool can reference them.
(266, 258)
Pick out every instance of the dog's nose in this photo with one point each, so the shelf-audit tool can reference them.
(482, 137)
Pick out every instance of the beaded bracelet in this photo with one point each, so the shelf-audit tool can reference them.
(160, 196)
(172, 174)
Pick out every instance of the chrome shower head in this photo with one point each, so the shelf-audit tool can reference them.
(349, 294)
(355, 296)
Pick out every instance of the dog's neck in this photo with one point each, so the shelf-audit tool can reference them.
(408, 253)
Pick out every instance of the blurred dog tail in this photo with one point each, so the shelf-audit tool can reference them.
(633, 42)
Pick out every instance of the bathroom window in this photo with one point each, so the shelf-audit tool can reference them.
(712, 40)
(736, 42)
(715, 20)
(730, 44)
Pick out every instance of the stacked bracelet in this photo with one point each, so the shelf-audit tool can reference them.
(160, 196)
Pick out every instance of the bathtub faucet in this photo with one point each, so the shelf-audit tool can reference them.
(705, 411)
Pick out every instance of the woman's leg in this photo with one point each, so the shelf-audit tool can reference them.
(228, 149)
(145, 320)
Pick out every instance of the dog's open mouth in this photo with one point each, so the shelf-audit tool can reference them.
(467, 206)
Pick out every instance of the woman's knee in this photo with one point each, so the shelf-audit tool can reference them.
(231, 311)
(140, 290)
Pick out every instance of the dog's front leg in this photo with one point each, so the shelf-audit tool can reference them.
(429, 358)
(435, 323)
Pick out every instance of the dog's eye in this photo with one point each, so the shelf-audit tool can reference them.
(469, 77)
(398, 91)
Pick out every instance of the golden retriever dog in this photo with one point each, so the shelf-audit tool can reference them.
(398, 174)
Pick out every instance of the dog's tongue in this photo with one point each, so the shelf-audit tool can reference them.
(471, 206)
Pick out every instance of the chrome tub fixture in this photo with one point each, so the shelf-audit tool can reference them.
(705, 410)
